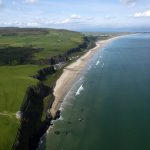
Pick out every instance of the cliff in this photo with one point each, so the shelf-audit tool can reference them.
(35, 117)
(32, 127)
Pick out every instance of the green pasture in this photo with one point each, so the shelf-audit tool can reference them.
(14, 81)
(53, 43)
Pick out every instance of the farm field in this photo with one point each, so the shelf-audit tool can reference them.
(52, 42)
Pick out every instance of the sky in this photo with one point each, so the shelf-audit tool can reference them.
(75, 14)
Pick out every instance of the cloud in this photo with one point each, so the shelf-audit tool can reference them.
(109, 17)
(14, 23)
(71, 18)
(70, 22)
(142, 14)
(31, 1)
(89, 18)
(32, 24)
(20, 24)
(75, 17)
(129, 2)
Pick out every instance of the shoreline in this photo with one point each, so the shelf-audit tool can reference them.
(72, 72)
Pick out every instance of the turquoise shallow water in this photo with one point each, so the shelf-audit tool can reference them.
(109, 107)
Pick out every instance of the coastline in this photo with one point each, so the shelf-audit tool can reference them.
(71, 73)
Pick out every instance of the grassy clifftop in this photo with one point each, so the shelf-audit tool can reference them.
(14, 81)
(18, 47)
(50, 43)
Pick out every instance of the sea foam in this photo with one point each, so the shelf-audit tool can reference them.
(79, 90)
(61, 118)
(97, 62)
(102, 65)
(89, 67)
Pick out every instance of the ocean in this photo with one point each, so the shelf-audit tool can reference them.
(108, 108)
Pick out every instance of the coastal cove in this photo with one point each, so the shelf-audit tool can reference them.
(102, 110)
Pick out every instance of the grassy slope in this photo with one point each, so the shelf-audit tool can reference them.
(55, 42)
(8, 131)
(13, 84)
(14, 80)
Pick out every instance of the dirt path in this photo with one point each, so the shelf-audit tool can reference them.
(5, 114)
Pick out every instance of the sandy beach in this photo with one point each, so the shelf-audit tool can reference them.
(71, 73)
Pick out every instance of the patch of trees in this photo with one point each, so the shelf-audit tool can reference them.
(16, 55)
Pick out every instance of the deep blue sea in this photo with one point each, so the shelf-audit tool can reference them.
(108, 108)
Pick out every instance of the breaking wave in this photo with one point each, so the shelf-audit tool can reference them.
(80, 89)
(102, 65)
(97, 62)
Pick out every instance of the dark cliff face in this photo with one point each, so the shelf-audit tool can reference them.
(32, 127)
(53, 60)
(79, 48)
(41, 74)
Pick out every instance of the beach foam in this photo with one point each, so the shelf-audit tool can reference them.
(82, 78)
(61, 107)
(89, 67)
(80, 89)
(97, 62)
(61, 118)
(102, 65)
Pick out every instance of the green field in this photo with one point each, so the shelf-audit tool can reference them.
(14, 80)
(54, 42)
